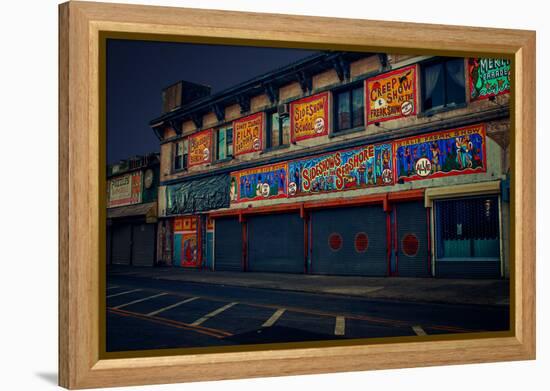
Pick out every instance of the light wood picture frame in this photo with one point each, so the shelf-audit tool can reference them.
(82, 25)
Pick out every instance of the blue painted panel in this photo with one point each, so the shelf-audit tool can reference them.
(176, 261)
(209, 250)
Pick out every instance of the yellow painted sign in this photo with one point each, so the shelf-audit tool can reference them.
(391, 95)
(309, 117)
(200, 148)
(248, 133)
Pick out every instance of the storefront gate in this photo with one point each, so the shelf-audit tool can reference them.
(349, 241)
(276, 243)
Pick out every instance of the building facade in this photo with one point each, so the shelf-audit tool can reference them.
(341, 163)
(132, 193)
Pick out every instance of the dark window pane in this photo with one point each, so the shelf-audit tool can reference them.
(434, 86)
(343, 110)
(229, 138)
(455, 81)
(357, 107)
(221, 151)
(177, 163)
(275, 131)
(285, 126)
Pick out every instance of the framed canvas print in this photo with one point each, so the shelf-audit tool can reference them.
(247, 195)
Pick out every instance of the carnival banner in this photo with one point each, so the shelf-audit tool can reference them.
(247, 133)
(124, 190)
(309, 117)
(266, 182)
(488, 77)
(434, 155)
(367, 166)
(200, 148)
(391, 95)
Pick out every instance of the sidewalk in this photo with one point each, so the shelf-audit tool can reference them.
(429, 290)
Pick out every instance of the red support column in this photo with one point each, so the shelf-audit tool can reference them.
(396, 242)
(428, 225)
(388, 240)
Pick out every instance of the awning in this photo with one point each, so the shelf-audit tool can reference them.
(148, 210)
(198, 195)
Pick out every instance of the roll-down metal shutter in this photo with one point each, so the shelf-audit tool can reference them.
(227, 245)
(109, 243)
(276, 243)
(122, 244)
(349, 241)
(143, 249)
(412, 237)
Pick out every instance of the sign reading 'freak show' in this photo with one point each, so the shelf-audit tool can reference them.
(309, 117)
(433, 155)
(248, 134)
(391, 95)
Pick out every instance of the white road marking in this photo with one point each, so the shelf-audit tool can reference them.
(172, 306)
(212, 314)
(123, 293)
(419, 330)
(275, 317)
(340, 326)
(140, 300)
(112, 287)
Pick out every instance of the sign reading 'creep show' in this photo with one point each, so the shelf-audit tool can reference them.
(200, 148)
(247, 134)
(391, 95)
(309, 117)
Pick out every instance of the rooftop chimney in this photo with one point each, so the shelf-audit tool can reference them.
(182, 93)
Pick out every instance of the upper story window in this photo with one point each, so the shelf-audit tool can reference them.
(180, 155)
(349, 108)
(443, 83)
(277, 130)
(224, 143)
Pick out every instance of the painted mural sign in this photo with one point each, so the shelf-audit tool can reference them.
(391, 95)
(200, 148)
(185, 241)
(247, 134)
(488, 77)
(124, 190)
(266, 182)
(361, 167)
(439, 154)
(309, 117)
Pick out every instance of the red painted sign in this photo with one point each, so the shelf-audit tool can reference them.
(391, 95)
(200, 148)
(248, 134)
(309, 117)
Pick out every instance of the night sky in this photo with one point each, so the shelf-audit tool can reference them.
(137, 71)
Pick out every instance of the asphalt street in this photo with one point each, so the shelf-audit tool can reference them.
(144, 313)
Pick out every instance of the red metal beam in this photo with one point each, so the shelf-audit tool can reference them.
(406, 195)
(341, 202)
